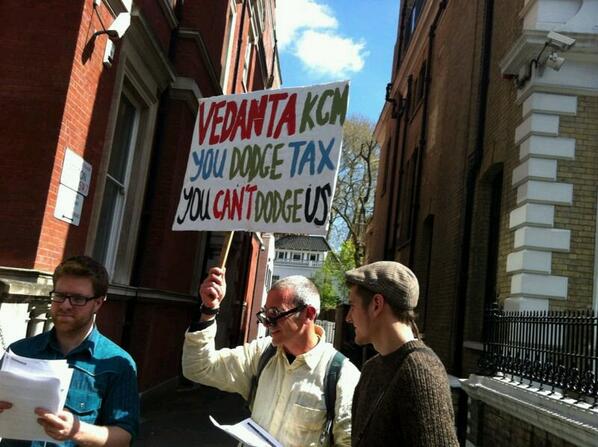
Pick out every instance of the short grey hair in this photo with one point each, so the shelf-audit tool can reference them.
(304, 291)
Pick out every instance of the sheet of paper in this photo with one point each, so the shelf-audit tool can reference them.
(26, 394)
(30, 383)
(249, 433)
(29, 367)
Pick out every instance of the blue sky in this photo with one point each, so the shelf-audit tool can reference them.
(329, 40)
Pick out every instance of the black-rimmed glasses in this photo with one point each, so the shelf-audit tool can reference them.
(269, 317)
(74, 299)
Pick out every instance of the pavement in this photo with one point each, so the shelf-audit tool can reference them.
(180, 418)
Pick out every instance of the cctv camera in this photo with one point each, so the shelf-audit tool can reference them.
(560, 41)
(120, 25)
(554, 61)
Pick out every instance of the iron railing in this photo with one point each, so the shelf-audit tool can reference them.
(555, 349)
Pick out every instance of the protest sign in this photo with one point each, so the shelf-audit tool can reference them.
(264, 161)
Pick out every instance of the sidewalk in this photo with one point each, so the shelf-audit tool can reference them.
(180, 418)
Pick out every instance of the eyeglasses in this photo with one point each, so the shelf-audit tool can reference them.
(74, 299)
(269, 317)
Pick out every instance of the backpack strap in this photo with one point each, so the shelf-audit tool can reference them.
(330, 381)
(263, 361)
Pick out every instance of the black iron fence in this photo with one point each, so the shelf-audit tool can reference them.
(553, 349)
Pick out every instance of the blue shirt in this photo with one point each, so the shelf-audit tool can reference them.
(103, 388)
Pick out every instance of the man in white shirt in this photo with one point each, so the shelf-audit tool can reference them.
(289, 400)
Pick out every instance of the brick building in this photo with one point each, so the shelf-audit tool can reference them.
(98, 108)
(487, 189)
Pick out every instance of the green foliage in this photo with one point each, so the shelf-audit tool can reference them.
(330, 279)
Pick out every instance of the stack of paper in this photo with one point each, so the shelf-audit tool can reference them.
(249, 433)
(28, 384)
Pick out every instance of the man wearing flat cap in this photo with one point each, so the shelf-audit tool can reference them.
(403, 397)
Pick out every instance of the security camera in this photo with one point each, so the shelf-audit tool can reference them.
(554, 61)
(560, 41)
(120, 25)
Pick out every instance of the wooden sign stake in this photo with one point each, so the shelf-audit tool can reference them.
(225, 248)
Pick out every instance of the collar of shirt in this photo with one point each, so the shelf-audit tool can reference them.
(87, 346)
(312, 357)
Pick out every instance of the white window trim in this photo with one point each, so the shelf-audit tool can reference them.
(118, 212)
(140, 86)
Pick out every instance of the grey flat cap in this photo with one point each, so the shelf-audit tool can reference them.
(391, 279)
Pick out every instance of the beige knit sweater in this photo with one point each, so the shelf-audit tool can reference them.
(415, 409)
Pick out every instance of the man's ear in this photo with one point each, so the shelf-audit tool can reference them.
(377, 304)
(98, 303)
(310, 312)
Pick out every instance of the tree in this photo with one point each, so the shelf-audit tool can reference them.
(330, 279)
(353, 203)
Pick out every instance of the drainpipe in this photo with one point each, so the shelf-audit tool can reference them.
(150, 189)
(239, 42)
(473, 167)
(390, 245)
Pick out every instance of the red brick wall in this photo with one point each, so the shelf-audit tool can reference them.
(82, 129)
(209, 18)
(36, 64)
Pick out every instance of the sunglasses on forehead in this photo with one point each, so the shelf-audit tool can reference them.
(269, 317)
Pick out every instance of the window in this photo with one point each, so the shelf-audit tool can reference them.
(116, 217)
(313, 257)
(420, 84)
(411, 20)
(117, 184)
(281, 255)
(247, 60)
(296, 257)
(387, 162)
(228, 42)
(406, 198)
(258, 9)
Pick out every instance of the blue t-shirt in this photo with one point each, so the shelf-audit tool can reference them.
(103, 388)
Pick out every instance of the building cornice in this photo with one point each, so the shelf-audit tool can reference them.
(187, 90)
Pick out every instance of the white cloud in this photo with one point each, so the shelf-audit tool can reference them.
(328, 54)
(309, 30)
(293, 16)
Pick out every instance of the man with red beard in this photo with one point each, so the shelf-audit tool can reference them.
(102, 405)
(290, 394)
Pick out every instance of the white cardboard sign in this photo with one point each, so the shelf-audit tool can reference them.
(264, 161)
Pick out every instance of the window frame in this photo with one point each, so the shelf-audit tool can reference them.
(109, 257)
